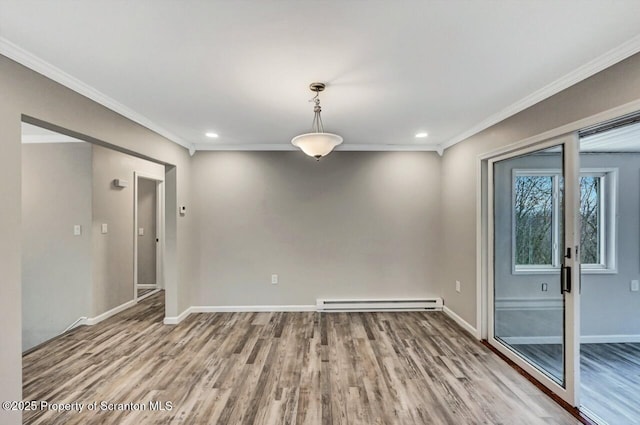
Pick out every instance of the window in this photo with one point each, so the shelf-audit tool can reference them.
(591, 212)
(536, 220)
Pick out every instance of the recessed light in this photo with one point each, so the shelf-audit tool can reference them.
(421, 135)
(211, 135)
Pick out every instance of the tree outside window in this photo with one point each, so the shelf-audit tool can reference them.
(537, 219)
(534, 220)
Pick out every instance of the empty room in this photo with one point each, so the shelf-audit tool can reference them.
(320, 212)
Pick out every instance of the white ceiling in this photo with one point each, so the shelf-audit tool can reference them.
(242, 68)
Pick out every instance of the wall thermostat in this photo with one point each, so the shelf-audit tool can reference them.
(120, 183)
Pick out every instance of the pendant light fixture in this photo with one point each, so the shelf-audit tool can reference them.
(317, 143)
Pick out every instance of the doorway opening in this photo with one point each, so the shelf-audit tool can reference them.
(610, 296)
(78, 214)
(148, 233)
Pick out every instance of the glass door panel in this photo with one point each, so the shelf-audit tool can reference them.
(528, 241)
(532, 317)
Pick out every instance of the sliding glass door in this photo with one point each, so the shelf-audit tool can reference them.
(534, 270)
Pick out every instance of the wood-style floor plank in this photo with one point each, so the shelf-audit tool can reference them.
(281, 368)
(609, 373)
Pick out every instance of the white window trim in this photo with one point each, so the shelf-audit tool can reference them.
(609, 223)
(608, 226)
(536, 268)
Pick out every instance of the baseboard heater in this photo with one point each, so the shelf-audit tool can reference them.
(420, 304)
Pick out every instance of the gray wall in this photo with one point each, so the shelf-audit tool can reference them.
(610, 88)
(113, 252)
(56, 265)
(10, 251)
(356, 224)
(147, 241)
(608, 305)
(26, 92)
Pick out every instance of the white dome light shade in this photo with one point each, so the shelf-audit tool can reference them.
(317, 145)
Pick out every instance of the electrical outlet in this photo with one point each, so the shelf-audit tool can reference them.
(635, 286)
(274, 279)
(545, 287)
(458, 286)
(77, 230)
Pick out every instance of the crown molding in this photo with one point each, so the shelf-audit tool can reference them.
(245, 147)
(372, 147)
(31, 61)
(346, 147)
(587, 70)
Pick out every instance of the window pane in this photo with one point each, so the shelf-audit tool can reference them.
(534, 220)
(590, 215)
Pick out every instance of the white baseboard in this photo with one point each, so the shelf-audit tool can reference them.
(463, 323)
(609, 339)
(585, 339)
(174, 320)
(104, 316)
(81, 321)
(529, 303)
(90, 321)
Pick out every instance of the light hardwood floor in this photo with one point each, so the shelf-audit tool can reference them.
(610, 377)
(143, 292)
(282, 368)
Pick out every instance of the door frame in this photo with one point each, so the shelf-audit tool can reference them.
(160, 230)
(482, 189)
(570, 392)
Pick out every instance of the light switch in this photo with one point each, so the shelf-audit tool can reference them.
(77, 230)
(141, 231)
(635, 286)
(104, 229)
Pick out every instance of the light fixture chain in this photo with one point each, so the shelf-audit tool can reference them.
(316, 125)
